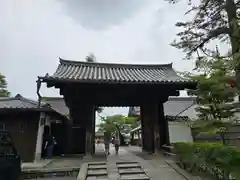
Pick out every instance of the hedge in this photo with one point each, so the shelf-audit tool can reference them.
(212, 160)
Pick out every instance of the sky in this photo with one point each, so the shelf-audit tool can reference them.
(35, 33)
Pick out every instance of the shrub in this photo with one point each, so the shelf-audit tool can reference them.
(210, 159)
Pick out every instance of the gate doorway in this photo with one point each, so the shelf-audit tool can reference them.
(57, 130)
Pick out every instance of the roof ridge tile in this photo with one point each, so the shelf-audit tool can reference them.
(113, 65)
(94, 72)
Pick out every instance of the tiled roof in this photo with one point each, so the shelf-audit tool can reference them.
(57, 104)
(175, 106)
(19, 102)
(114, 73)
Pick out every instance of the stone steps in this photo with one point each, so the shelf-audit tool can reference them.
(97, 171)
(131, 171)
(121, 171)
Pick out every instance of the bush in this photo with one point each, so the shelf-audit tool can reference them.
(210, 159)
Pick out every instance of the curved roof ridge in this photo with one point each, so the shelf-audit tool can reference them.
(117, 65)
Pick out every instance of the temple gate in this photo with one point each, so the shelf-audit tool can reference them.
(86, 86)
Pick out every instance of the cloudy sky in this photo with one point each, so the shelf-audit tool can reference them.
(35, 33)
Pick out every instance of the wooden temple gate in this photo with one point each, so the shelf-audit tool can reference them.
(86, 86)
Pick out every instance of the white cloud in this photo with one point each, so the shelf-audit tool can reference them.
(34, 33)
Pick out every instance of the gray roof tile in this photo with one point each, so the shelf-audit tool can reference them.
(118, 73)
(57, 104)
(18, 102)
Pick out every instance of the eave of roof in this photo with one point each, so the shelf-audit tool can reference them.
(19, 102)
(86, 72)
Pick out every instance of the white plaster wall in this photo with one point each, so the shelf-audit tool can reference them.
(180, 132)
(39, 141)
(39, 138)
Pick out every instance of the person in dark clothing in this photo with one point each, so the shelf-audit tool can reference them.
(49, 146)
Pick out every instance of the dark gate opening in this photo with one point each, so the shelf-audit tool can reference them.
(57, 130)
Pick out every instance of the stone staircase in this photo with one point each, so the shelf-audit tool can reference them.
(97, 171)
(122, 171)
(131, 171)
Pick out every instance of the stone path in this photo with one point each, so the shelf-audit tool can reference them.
(130, 164)
(131, 170)
(57, 178)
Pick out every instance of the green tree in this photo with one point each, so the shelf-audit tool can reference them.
(212, 19)
(124, 123)
(215, 91)
(3, 86)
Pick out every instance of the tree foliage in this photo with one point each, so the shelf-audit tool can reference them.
(212, 19)
(3, 86)
(91, 58)
(216, 88)
(124, 123)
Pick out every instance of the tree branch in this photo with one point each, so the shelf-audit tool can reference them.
(212, 34)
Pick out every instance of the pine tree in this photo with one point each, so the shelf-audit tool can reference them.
(216, 89)
(3, 86)
(212, 19)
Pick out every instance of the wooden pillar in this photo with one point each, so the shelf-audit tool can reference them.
(164, 128)
(149, 116)
(83, 128)
(155, 132)
(78, 130)
(90, 130)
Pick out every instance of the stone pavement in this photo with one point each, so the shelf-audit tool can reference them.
(161, 171)
(131, 163)
(37, 164)
(57, 178)
(68, 165)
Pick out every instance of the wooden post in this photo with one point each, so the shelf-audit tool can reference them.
(163, 127)
(149, 117)
(83, 117)
(90, 130)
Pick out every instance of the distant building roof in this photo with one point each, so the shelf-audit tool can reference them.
(175, 106)
(91, 72)
(19, 102)
(57, 104)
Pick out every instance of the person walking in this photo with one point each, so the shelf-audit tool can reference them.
(107, 139)
(49, 146)
(98, 141)
(117, 141)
